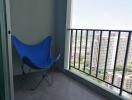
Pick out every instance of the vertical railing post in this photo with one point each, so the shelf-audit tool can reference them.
(125, 63)
(100, 40)
(92, 47)
(117, 48)
(80, 49)
(71, 36)
(85, 50)
(75, 49)
(108, 43)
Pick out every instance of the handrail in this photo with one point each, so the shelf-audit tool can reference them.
(113, 44)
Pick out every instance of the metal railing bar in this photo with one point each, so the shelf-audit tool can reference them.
(85, 50)
(92, 52)
(75, 48)
(71, 37)
(125, 62)
(106, 58)
(117, 48)
(100, 40)
(80, 48)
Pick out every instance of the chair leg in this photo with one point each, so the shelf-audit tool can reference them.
(46, 77)
(23, 72)
(22, 67)
(49, 80)
(37, 85)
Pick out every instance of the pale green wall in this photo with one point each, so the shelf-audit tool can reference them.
(31, 22)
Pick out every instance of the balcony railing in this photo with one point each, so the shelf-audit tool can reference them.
(105, 55)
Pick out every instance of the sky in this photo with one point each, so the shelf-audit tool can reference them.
(102, 14)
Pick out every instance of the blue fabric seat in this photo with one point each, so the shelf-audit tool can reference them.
(37, 56)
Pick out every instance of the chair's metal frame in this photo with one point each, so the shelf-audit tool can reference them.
(44, 76)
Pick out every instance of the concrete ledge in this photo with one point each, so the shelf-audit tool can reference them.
(98, 89)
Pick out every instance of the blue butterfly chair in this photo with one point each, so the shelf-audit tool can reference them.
(36, 56)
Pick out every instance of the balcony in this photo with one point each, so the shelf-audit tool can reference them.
(99, 63)
(103, 56)
(95, 64)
